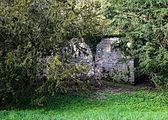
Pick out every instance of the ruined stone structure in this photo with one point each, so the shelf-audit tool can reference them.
(109, 61)
(84, 55)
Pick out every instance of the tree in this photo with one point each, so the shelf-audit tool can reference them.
(144, 24)
(33, 30)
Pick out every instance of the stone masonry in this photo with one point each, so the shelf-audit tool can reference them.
(109, 60)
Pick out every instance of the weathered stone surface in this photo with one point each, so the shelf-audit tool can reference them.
(83, 54)
(109, 61)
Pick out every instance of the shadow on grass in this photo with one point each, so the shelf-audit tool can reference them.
(138, 100)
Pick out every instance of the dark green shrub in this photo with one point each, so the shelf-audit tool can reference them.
(33, 30)
(144, 24)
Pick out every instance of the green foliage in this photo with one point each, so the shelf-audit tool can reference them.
(21, 42)
(61, 76)
(32, 30)
(144, 24)
(18, 72)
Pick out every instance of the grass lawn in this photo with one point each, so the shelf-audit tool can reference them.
(101, 105)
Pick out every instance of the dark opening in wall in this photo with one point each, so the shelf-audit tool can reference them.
(140, 78)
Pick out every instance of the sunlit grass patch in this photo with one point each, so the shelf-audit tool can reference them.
(137, 105)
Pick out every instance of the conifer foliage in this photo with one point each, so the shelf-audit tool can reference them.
(33, 30)
(144, 23)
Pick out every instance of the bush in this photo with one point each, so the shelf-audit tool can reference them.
(18, 72)
(33, 30)
(144, 24)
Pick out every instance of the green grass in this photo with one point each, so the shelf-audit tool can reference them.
(138, 105)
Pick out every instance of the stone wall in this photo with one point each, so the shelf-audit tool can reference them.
(83, 54)
(109, 61)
